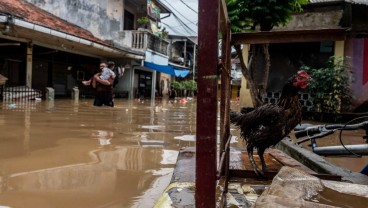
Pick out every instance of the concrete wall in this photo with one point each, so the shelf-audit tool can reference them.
(125, 38)
(156, 58)
(314, 19)
(359, 54)
(103, 18)
(176, 51)
(245, 98)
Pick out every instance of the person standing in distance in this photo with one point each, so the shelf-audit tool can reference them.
(104, 88)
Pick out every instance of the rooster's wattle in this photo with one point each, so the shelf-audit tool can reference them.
(266, 125)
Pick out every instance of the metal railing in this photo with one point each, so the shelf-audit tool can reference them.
(20, 93)
(144, 40)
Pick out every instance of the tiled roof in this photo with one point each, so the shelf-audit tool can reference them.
(28, 12)
(365, 2)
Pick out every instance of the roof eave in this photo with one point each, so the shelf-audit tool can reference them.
(47, 37)
(289, 36)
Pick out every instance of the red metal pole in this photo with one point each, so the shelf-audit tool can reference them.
(208, 29)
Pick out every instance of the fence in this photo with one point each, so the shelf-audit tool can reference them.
(20, 93)
(304, 99)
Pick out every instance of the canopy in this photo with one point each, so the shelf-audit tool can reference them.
(167, 69)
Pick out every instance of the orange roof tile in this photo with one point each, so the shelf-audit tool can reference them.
(33, 14)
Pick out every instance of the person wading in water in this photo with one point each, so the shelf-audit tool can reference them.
(104, 88)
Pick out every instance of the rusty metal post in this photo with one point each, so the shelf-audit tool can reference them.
(225, 83)
(208, 28)
(226, 93)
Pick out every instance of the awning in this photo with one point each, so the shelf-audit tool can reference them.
(167, 69)
(181, 73)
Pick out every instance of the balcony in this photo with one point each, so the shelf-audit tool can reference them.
(141, 40)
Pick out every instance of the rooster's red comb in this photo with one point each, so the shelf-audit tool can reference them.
(303, 73)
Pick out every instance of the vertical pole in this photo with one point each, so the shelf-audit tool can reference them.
(208, 27)
(225, 88)
(185, 52)
(194, 60)
(29, 65)
(153, 85)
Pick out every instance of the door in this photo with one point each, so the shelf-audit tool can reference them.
(144, 84)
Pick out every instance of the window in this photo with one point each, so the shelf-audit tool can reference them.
(128, 20)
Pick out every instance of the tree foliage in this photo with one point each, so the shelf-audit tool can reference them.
(247, 14)
(330, 90)
(188, 85)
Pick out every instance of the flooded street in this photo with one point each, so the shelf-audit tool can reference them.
(71, 154)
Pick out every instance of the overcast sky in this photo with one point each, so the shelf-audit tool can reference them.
(184, 20)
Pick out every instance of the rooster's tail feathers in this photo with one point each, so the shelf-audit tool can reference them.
(236, 117)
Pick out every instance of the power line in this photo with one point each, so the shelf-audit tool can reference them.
(193, 23)
(173, 29)
(177, 10)
(186, 26)
(188, 6)
(179, 18)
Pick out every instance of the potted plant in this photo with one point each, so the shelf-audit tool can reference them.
(143, 22)
(164, 34)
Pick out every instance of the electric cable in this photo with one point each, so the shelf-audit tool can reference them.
(188, 6)
(340, 137)
(180, 19)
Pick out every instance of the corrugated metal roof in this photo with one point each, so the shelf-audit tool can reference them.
(365, 2)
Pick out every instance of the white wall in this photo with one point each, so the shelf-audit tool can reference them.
(156, 58)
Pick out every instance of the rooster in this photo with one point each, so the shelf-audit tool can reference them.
(266, 125)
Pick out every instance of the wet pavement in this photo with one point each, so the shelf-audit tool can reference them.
(71, 154)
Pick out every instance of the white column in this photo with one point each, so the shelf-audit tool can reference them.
(194, 60)
(29, 65)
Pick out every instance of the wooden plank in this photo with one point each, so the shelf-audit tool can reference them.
(275, 159)
(285, 159)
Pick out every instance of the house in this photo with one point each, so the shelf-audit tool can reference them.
(325, 28)
(57, 44)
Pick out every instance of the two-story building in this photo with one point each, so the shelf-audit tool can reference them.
(57, 44)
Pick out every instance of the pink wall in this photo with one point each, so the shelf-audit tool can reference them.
(365, 62)
(357, 49)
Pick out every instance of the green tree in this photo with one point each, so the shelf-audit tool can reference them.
(190, 86)
(330, 90)
(178, 86)
(246, 15)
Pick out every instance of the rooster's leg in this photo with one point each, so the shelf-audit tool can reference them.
(260, 154)
(250, 155)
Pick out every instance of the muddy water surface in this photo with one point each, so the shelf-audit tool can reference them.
(71, 154)
(352, 137)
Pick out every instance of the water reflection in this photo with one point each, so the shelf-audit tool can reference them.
(347, 137)
(104, 137)
(71, 154)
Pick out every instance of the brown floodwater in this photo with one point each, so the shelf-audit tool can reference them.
(69, 153)
(351, 137)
